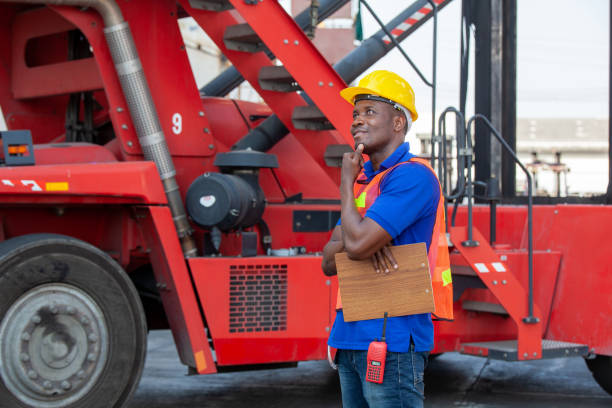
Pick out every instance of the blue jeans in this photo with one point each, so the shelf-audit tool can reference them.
(402, 386)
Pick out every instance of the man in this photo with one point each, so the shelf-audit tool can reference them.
(393, 199)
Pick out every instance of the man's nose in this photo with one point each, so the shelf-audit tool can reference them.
(357, 120)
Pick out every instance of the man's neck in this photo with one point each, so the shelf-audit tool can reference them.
(376, 158)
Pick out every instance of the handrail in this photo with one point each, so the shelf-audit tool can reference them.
(530, 318)
(440, 140)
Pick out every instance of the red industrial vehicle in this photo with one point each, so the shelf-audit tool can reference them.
(131, 200)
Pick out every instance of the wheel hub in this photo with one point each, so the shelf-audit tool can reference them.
(53, 345)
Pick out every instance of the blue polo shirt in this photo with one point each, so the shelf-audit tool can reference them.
(406, 208)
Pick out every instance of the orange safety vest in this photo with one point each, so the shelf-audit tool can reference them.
(439, 262)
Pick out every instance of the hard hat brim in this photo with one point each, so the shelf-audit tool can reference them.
(350, 93)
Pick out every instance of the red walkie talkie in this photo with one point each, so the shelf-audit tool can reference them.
(377, 353)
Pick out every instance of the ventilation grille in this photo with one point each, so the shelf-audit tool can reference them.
(258, 298)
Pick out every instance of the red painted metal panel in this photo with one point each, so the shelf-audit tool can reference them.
(136, 182)
(168, 74)
(583, 295)
(308, 309)
(52, 79)
(177, 291)
(72, 153)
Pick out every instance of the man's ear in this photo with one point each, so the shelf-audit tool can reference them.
(399, 122)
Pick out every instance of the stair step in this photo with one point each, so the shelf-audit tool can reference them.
(333, 154)
(486, 307)
(241, 37)
(211, 5)
(310, 118)
(508, 349)
(277, 78)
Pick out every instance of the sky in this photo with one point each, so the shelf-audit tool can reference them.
(562, 58)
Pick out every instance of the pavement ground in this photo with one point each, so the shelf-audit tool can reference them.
(451, 380)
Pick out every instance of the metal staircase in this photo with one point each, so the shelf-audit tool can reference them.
(479, 264)
(303, 92)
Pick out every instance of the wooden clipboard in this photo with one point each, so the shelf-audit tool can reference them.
(403, 291)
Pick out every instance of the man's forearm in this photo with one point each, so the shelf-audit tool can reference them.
(351, 220)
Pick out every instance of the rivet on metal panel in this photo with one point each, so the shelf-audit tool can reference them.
(124, 126)
(556, 211)
(331, 84)
(535, 353)
(327, 328)
(211, 146)
(296, 42)
(328, 282)
(548, 250)
(503, 257)
(119, 110)
(504, 282)
(525, 355)
(320, 83)
(201, 113)
(129, 143)
(206, 130)
(505, 356)
(285, 41)
(495, 282)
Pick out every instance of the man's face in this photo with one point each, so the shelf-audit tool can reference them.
(372, 124)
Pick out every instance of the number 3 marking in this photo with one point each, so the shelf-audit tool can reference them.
(177, 121)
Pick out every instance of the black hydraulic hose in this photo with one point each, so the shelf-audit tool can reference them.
(229, 79)
(271, 130)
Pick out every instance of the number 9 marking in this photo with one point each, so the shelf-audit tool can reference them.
(177, 121)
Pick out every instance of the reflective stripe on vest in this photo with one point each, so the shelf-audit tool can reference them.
(439, 262)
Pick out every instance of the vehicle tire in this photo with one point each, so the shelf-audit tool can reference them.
(601, 367)
(72, 328)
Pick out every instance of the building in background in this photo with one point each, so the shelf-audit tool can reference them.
(567, 157)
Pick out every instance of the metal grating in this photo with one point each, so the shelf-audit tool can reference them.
(258, 298)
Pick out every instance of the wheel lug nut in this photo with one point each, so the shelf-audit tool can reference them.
(32, 374)
(91, 357)
(54, 310)
(36, 319)
(84, 320)
(48, 385)
(70, 310)
(66, 385)
(93, 338)
(24, 357)
(26, 337)
(81, 374)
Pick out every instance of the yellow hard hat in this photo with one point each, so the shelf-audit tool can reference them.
(387, 85)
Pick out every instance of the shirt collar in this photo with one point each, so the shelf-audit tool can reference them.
(401, 154)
